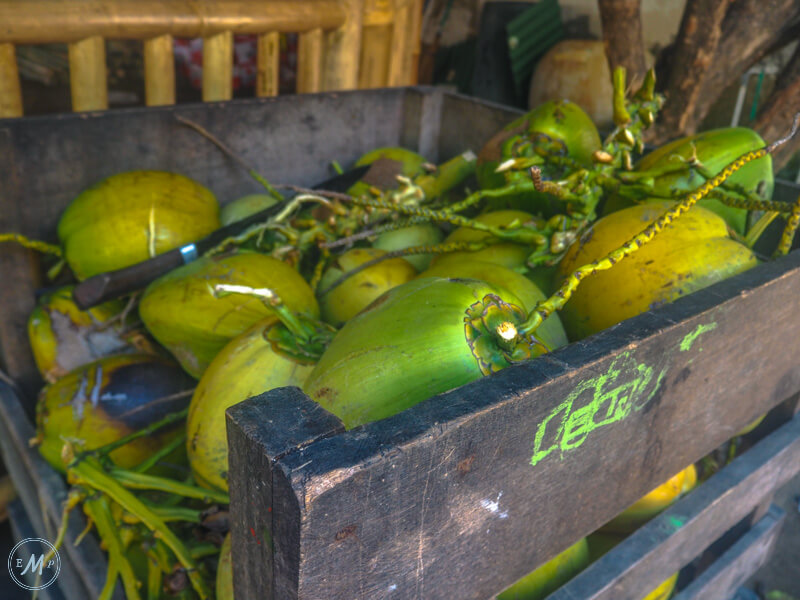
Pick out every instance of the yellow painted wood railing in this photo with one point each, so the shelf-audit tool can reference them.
(343, 44)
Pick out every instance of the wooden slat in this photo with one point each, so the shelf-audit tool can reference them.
(309, 62)
(269, 58)
(683, 531)
(398, 58)
(343, 50)
(494, 465)
(159, 71)
(87, 74)
(376, 49)
(414, 47)
(218, 67)
(10, 90)
(52, 21)
(256, 537)
(739, 563)
(378, 12)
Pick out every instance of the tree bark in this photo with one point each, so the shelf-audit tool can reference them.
(622, 36)
(691, 61)
(777, 114)
(749, 31)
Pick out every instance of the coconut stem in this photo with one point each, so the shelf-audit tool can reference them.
(555, 302)
(99, 512)
(272, 301)
(88, 472)
(232, 155)
(145, 431)
(142, 481)
(787, 237)
(37, 245)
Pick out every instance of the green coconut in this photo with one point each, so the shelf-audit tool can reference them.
(63, 337)
(250, 364)
(183, 313)
(110, 398)
(417, 340)
(421, 234)
(540, 583)
(130, 217)
(347, 299)
(243, 207)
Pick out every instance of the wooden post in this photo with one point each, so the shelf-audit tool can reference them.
(343, 50)
(87, 74)
(218, 67)
(159, 71)
(415, 43)
(309, 62)
(269, 56)
(10, 92)
(376, 49)
(400, 47)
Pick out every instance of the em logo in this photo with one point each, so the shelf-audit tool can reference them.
(35, 558)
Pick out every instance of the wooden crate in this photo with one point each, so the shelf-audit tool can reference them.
(468, 491)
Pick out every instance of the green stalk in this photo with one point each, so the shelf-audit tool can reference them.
(787, 237)
(272, 301)
(757, 230)
(621, 115)
(175, 513)
(142, 481)
(111, 580)
(154, 579)
(147, 431)
(203, 550)
(448, 175)
(91, 474)
(100, 513)
(151, 461)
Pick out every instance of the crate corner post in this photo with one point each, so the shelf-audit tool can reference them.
(266, 510)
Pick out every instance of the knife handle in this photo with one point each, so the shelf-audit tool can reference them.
(107, 286)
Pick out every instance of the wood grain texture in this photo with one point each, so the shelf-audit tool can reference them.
(343, 49)
(692, 58)
(159, 71)
(621, 22)
(309, 62)
(268, 64)
(52, 21)
(401, 43)
(10, 90)
(87, 74)
(404, 502)
(739, 563)
(376, 51)
(260, 432)
(684, 530)
(218, 67)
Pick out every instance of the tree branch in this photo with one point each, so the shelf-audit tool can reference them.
(692, 57)
(622, 36)
(780, 108)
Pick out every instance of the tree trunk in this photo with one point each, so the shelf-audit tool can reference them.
(622, 37)
(692, 56)
(777, 114)
(749, 31)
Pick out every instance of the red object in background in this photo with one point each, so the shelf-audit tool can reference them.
(189, 59)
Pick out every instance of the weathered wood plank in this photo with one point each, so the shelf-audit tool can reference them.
(10, 88)
(476, 467)
(260, 432)
(268, 56)
(87, 74)
(739, 563)
(159, 71)
(683, 531)
(218, 67)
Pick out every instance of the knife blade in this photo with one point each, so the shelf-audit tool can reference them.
(113, 284)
